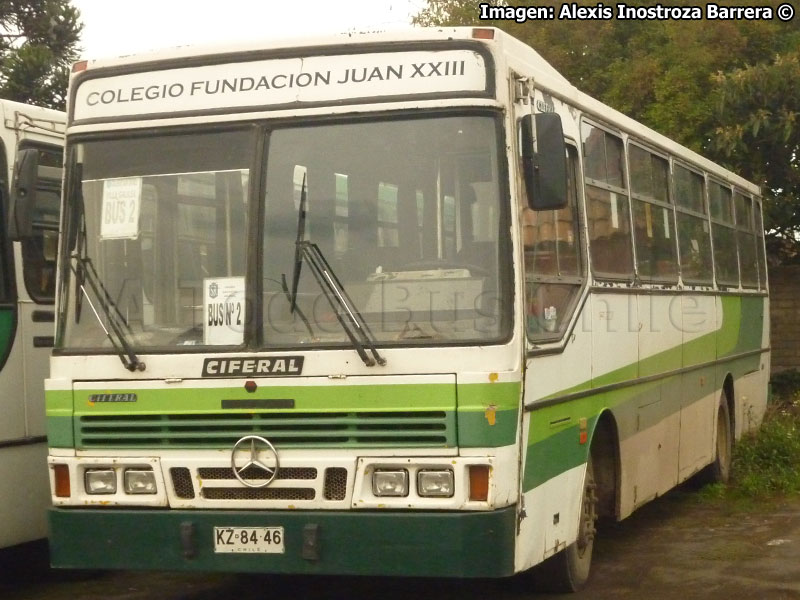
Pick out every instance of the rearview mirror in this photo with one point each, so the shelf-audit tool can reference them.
(23, 194)
(544, 161)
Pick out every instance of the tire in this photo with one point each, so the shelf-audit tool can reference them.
(719, 471)
(568, 571)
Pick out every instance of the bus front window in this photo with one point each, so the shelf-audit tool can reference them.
(157, 222)
(407, 213)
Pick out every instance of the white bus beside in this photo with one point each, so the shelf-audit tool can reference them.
(31, 138)
(405, 304)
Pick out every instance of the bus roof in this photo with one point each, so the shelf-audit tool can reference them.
(519, 56)
(25, 117)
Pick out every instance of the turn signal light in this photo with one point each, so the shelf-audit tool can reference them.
(61, 473)
(479, 483)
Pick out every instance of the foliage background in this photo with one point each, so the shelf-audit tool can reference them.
(38, 43)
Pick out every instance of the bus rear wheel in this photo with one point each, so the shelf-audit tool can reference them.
(568, 571)
(719, 471)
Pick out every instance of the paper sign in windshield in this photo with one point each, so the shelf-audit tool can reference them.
(122, 203)
(223, 310)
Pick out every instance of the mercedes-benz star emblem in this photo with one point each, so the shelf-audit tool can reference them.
(260, 454)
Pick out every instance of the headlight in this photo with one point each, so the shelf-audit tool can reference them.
(435, 483)
(138, 481)
(390, 483)
(100, 481)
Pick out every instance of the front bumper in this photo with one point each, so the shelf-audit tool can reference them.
(438, 544)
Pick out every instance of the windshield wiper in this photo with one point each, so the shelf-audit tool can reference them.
(85, 272)
(346, 312)
(348, 316)
(115, 320)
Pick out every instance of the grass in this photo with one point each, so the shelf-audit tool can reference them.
(766, 463)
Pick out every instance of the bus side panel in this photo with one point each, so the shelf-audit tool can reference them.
(615, 343)
(24, 496)
(12, 409)
(740, 337)
(551, 518)
(36, 330)
(553, 460)
(699, 394)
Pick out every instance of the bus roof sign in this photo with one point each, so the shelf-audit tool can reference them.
(281, 82)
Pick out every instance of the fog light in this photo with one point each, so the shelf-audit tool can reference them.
(139, 481)
(100, 481)
(390, 483)
(435, 483)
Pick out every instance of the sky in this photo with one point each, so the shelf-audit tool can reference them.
(119, 27)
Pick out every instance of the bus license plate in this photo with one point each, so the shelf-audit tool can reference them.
(264, 540)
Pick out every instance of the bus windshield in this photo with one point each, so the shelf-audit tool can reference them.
(405, 213)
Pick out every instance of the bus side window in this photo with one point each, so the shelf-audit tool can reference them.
(760, 248)
(694, 244)
(654, 226)
(723, 234)
(554, 269)
(39, 250)
(746, 240)
(607, 205)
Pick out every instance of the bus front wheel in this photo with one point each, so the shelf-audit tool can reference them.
(568, 570)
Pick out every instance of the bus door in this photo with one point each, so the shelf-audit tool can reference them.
(33, 222)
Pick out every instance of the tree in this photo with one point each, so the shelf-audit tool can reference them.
(697, 82)
(758, 133)
(38, 43)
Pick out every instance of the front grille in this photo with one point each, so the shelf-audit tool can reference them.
(216, 486)
(216, 473)
(265, 493)
(182, 483)
(335, 483)
(285, 430)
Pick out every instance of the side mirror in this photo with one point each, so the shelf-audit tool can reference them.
(544, 161)
(23, 194)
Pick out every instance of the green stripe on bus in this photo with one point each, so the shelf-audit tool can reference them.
(328, 398)
(553, 439)
(554, 455)
(6, 329)
(741, 331)
(59, 418)
(488, 414)
(59, 432)
(59, 402)
(489, 429)
(743, 325)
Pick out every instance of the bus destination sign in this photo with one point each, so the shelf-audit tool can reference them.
(281, 82)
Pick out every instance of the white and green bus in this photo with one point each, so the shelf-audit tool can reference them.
(396, 304)
(31, 139)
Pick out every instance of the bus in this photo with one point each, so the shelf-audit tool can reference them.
(399, 303)
(31, 141)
